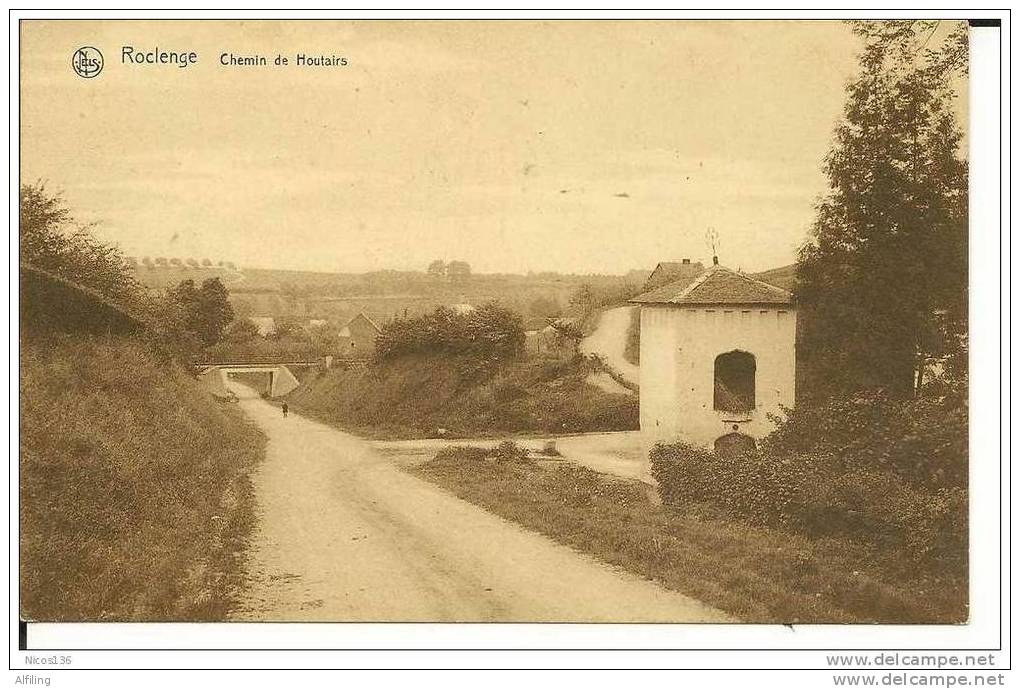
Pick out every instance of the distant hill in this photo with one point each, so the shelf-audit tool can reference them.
(381, 295)
(163, 277)
(784, 277)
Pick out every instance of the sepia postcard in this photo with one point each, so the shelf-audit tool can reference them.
(536, 320)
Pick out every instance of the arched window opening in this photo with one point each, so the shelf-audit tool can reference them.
(734, 382)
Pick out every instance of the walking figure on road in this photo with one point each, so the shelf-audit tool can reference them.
(285, 410)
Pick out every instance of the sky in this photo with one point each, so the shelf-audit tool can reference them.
(587, 147)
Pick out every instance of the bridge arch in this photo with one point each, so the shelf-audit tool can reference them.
(281, 380)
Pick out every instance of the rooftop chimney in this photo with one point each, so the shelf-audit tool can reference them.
(715, 260)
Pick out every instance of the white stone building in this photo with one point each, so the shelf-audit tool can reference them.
(718, 355)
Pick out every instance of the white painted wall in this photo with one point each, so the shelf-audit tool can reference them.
(215, 378)
(678, 349)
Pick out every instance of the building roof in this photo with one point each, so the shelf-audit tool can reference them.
(360, 317)
(668, 271)
(536, 324)
(716, 286)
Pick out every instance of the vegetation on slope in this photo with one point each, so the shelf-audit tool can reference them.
(134, 492)
(134, 499)
(416, 395)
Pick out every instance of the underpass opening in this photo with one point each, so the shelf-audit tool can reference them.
(259, 381)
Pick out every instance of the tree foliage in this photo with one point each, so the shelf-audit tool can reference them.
(489, 331)
(882, 281)
(205, 310)
(437, 268)
(50, 239)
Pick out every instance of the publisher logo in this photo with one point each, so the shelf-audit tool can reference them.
(87, 62)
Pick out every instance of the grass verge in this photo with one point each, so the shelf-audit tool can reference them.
(135, 501)
(757, 574)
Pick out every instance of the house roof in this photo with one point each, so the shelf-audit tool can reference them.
(668, 271)
(361, 317)
(717, 285)
(535, 324)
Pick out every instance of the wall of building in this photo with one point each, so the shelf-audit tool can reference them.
(363, 335)
(678, 350)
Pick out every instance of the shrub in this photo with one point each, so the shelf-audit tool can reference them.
(817, 495)
(760, 488)
(509, 451)
(923, 441)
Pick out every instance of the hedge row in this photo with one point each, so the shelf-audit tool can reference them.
(816, 494)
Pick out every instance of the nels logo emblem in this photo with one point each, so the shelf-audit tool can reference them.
(87, 62)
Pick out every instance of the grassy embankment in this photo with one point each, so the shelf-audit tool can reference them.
(415, 395)
(135, 501)
(757, 574)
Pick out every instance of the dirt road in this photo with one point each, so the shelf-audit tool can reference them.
(610, 340)
(344, 535)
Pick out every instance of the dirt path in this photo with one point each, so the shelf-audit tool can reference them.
(345, 535)
(610, 341)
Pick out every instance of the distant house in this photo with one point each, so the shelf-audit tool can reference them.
(548, 336)
(718, 357)
(357, 338)
(316, 323)
(266, 325)
(461, 309)
(671, 271)
(532, 326)
(534, 329)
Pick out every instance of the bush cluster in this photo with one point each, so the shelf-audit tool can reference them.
(818, 495)
(506, 452)
(922, 441)
(489, 330)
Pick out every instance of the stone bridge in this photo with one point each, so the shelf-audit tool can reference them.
(281, 379)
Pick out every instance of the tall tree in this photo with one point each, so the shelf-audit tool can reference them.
(205, 310)
(437, 268)
(882, 280)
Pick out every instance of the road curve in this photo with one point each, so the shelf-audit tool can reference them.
(609, 341)
(345, 535)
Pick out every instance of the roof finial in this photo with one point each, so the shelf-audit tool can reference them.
(712, 239)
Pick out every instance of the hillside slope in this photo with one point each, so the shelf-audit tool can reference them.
(417, 395)
(134, 493)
